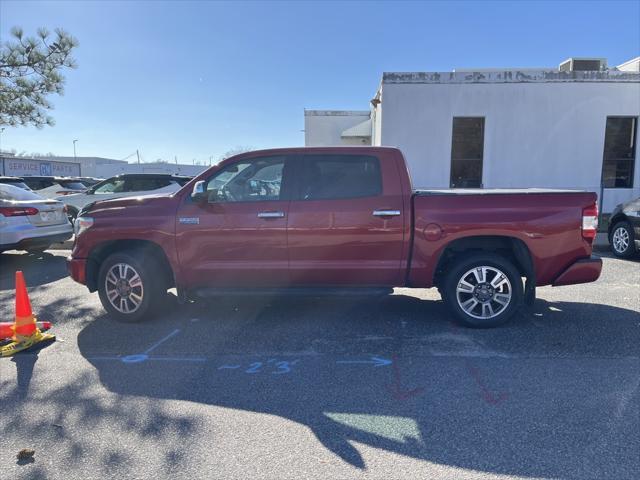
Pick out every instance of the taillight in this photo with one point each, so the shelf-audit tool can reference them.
(590, 222)
(18, 211)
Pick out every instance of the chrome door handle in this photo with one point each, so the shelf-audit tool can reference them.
(386, 213)
(271, 215)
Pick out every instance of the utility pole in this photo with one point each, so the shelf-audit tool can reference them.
(210, 160)
(176, 158)
(138, 153)
(74, 149)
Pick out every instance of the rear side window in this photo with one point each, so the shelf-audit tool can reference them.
(324, 177)
(72, 184)
(146, 184)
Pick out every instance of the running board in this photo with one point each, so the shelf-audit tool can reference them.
(294, 291)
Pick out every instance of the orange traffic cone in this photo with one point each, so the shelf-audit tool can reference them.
(25, 329)
(7, 329)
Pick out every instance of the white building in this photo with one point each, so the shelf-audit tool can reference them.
(569, 127)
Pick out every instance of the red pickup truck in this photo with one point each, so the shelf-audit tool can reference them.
(339, 219)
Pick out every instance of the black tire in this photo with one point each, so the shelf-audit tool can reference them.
(620, 233)
(483, 293)
(153, 291)
(72, 214)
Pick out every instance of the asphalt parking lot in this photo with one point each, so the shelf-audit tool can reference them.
(321, 388)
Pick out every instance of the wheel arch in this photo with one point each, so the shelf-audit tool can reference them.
(617, 218)
(147, 249)
(512, 248)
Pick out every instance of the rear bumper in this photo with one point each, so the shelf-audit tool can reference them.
(35, 242)
(77, 268)
(583, 271)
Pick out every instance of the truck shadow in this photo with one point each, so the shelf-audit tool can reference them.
(505, 401)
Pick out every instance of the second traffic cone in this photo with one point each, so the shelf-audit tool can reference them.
(25, 330)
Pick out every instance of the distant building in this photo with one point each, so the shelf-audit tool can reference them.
(98, 167)
(574, 126)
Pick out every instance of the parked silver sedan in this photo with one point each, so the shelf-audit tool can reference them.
(30, 222)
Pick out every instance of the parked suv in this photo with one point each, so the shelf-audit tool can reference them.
(52, 187)
(624, 229)
(125, 185)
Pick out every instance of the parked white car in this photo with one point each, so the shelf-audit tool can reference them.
(52, 187)
(30, 222)
(125, 185)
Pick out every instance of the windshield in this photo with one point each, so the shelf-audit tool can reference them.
(11, 192)
(112, 185)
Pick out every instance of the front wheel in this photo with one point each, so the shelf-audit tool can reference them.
(483, 290)
(622, 240)
(129, 288)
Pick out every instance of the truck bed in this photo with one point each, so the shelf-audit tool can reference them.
(547, 221)
(491, 191)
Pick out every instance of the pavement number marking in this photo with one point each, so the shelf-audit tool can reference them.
(272, 366)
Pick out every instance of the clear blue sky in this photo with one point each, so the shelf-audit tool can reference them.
(195, 79)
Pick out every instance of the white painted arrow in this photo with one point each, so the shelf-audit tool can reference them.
(375, 361)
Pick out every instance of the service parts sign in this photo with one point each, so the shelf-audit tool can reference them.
(25, 167)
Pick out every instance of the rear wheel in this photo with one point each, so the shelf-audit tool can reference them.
(622, 240)
(483, 290)
(130, 288)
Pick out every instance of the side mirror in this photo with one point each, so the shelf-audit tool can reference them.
(198, 193)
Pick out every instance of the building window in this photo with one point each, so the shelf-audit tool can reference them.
(467, 149)
(619, 152)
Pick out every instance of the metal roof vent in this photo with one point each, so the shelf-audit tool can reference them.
(583, 65)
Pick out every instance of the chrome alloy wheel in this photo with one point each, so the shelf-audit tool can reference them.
(621, 240)
(124, 289)
(484, 292)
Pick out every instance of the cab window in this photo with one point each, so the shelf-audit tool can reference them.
(325, 177)
(252, 180)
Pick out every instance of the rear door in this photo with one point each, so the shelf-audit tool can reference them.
(346, 221)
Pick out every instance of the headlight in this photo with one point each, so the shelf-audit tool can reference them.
(81, 224)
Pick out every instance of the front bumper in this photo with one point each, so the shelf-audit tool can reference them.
(582, 271)
(77, 268)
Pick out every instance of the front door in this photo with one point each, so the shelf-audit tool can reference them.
(237, 237)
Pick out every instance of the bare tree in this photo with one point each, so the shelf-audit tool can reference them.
(234, 151)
